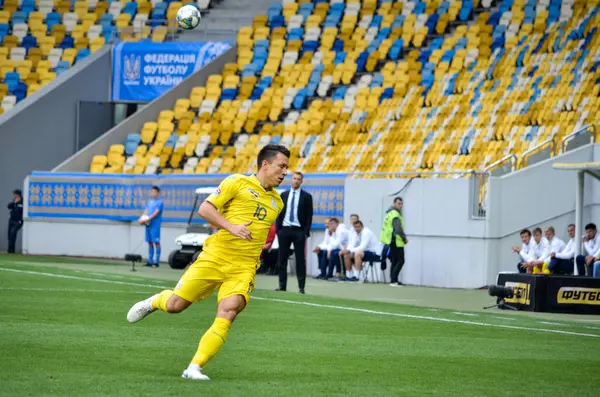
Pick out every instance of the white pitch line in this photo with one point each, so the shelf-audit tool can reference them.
(74, 290)
(440, 319)
(353, 309)
(81, 278)
(466, 314)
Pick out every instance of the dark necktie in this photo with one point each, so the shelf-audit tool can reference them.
(292, 207)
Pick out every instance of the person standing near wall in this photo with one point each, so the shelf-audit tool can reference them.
(15, 222)
(152, 218)
(393, 236)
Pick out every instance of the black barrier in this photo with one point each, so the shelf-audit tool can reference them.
(556, 294)
(530, 290)
(579, 295)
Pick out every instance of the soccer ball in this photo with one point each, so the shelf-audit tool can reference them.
(144, 218)
(188, 17)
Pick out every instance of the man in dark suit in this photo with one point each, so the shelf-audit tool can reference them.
(293, 226)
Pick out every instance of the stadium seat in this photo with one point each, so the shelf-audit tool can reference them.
(39, 31)
(443, 86)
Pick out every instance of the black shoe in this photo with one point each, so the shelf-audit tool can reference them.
(301, 291)
(156, 265)
(148, 265)
(280, 289)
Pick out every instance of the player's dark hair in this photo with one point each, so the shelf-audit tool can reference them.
(18, 192)
(334, 219)
(358, 223)
(356, 215)
(397, 199)
(537, 230)
(299, 173)
(269, 152)
(571, 224)
(590, 226)
(156, 188)
(526, 231)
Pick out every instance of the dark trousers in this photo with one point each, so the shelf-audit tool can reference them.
(334, 261)
(561, 266)
(521, 268)
(581, 265)
(269, 262)
(397, 257)
(13, 230)
(323, 262)
(287, 236)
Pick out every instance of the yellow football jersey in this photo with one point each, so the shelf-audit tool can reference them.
(242, 199)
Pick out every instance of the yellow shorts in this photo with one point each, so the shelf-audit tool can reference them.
(208, 274)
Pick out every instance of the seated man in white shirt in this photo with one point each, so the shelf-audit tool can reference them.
(591, 245)
(541, 250)
(345, 257)
(554, 244)
(337, 241)
(525, 251)
(322, 250)
(561, 262)
(365, 249)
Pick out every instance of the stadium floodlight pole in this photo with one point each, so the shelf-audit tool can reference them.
(578, 215)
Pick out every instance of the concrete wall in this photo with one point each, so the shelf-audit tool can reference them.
(41, 131)
(446, 247)
(536, 196)
(88, 238)
(81, 161)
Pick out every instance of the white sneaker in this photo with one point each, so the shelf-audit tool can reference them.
(194, 372)
(395, 285)
(140, 310)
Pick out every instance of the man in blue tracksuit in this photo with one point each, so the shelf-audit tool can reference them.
(152, 218)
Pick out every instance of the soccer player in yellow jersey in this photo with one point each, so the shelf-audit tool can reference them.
(243, 208)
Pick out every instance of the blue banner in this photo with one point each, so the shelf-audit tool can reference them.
(143, 71)
(121, 197)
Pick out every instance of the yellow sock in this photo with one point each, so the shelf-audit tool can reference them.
(160, 302)
(212, 341)
(545, 269)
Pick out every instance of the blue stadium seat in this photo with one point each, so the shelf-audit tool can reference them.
(28, 6)
(67, 42)
(29, 42)
(11, 79)
(20, 91)
(130, 8)
(81, 54)
(19, 17)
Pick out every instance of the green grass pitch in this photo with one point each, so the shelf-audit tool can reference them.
(63, 332)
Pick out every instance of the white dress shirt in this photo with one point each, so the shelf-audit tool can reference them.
(366, 241)
(339, 239)
(555, 245)
(295, 194)
(568, 252)
(325, 244)
(352, 236)
(541, 249)
(527, 250)
(592, 247)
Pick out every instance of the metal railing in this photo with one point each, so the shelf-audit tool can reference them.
(573, 137)
(410, 174)
(540, 152)
(478, 185)
(201, 33)
(503, 166)
(479, 194)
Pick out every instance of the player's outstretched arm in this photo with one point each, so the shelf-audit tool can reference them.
(211, 215)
